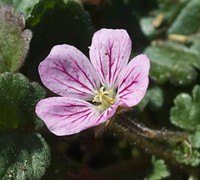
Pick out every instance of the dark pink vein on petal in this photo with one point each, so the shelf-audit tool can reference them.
(71, 115)
(109, 53)
(76, 80)
(124, 80)
(127, 87)
(84, 73)
(116, 68)
(78, 91)
(104, 113)
(87, 117)
(75, 120)
(101, 65)
(128, 92)
(63, 115)
(71, 106)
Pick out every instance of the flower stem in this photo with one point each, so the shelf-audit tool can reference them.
(132, 134)
(160, 135)
(152, 140)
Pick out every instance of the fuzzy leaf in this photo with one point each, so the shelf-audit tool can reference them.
(164, 16)
(171, 9)
(152, 26)
(23, 156)
(195, 138)
(174, 62)
(14, 40)
(154, 98)
(17, 101)
(56, 22)
(45, 6)
(160, 170)
(193, 159)
(186, 112)
(147, 27)
(23, 6)
(187, 21)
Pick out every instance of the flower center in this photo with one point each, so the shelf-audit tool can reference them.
(104, 98)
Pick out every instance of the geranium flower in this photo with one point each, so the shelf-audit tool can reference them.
(91, 91)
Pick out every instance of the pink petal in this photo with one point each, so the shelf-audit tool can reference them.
(66, 116)
(134, 81)
(67, 72)
(109, 53)
(108, 113)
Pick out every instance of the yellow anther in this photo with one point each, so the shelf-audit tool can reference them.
(105, 98)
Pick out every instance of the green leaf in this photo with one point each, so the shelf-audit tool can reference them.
(187, 21)
(52, 23)
(168, 10)
(23, 156)
(186, 115)
(159, 171)
(17, 101)
(171, 9)
(23, 6)
(40, 9)
(186, 112)
(147, 27)
(192, 160)
(43, 6)
(14, 40)
(194, 138)
(174, 62)
(154, 98)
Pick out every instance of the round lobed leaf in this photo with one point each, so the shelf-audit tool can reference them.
(187, 21)
(14, 40)
(160, 170)
(23, 156)
(173, 62)
(17, 101)
(186, 112)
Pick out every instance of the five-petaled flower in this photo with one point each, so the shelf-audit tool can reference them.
(92, 91)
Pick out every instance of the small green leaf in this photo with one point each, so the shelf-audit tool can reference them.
(171, 9)
(54, 22)
(14, 40)
(43, 6)
(173, 62)
(186, 112)
(17, 101)
(159, 171)
(186, 115)
(23, 156)
(23, 6)
(195, 138)
(187, 21)
(147, 27)
(164, 15)
(193, 159)
(154, 98)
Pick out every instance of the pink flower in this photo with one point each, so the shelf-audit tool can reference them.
(92, 91)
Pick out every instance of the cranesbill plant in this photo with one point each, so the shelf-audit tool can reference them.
(91, 91)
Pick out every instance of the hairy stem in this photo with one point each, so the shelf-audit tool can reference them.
(150, 140)
(161, 135)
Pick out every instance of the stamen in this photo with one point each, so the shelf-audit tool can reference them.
(104, 98)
